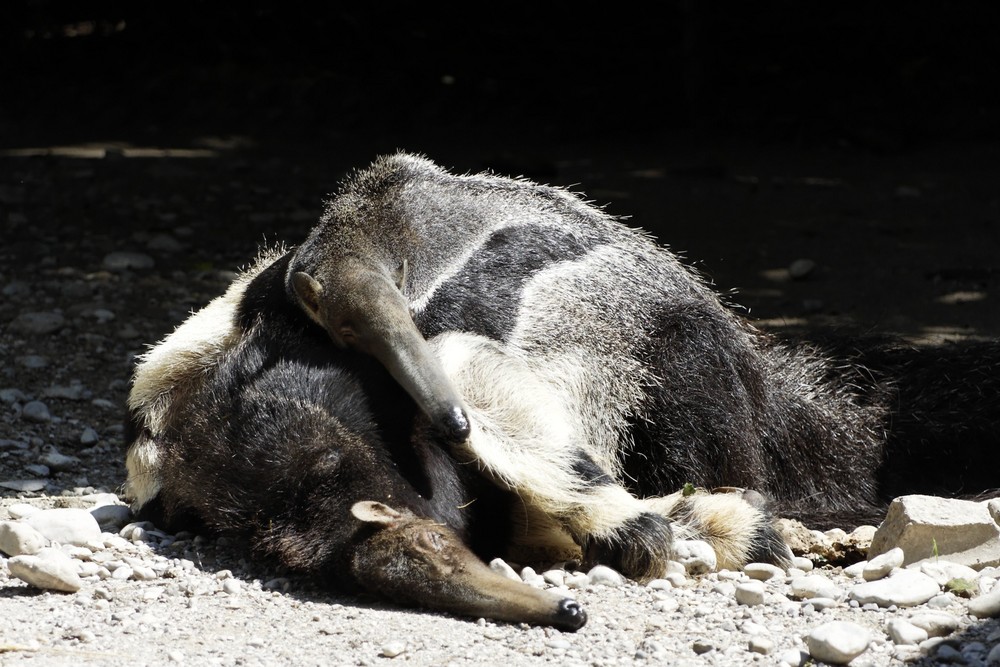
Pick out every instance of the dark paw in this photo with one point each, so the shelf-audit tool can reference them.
(769, 547)
(453, 426)
(639, 548)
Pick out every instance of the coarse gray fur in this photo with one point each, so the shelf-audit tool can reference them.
(599, 375)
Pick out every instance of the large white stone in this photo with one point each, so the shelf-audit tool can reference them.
(18, 538)
(905, 588)
(65, 525)
(838, 642)
(50, 569)
(883, 564)
(986, 606)
(962, 531)
(943, 571)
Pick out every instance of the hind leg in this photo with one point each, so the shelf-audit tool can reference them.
(735, 523)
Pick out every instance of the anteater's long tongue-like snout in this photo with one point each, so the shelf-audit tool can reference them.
(419, 562)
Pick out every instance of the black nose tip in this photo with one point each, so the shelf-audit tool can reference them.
(455, 425)
(571, 615)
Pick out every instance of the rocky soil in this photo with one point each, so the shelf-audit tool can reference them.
(106, 248)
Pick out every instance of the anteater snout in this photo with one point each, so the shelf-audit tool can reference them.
(570, 615)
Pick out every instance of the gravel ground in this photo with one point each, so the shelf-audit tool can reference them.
(113, 250)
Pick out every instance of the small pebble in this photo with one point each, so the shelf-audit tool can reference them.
(602, 575)
(763, 571)
(838, 642)
(814, 586)
(762, 645)
(882, 565)
(36, 411)
(986, 606)
(393, 649)
(696, 556)
(750, 593)
(902, 631)
(702, 646)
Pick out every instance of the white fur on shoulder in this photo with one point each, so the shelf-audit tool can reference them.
(175, 363)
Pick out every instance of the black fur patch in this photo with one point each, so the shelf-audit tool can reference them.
(639, 548)
(588, 471)
(485, 296)
(769, 547)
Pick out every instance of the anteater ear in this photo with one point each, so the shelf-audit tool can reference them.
(309, 292)
(371, 511)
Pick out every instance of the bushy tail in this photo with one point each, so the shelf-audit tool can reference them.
(941, 420)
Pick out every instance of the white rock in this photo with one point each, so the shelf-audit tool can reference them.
(696, 556)
(986, 606)
(22, 510)
(802, 563)
(838, 642)
(659, 585)
(814, 586)
(602, 575)
(676, 580)
(555, 577)
(673, 567)
(856, 570)
(943, 601)
(934, 623)
(232, 586)
(962, 531)
(50, 569)
(943, 571)
(905, 588)
(65, 525)
(762, 645)
(793, 657)
(750, 593)
(903, 632)
(883, 564)
(393, 649)
(18, 538)
(500, 566)
(821, 604)
(993, 507)
(763, 571)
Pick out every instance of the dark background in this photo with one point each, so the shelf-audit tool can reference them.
(859, 136)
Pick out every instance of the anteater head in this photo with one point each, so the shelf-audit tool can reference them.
(421, 562)
(360, 304)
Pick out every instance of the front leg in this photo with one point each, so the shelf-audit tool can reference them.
(525, 439)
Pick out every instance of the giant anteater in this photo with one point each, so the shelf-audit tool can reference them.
(540, 379)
